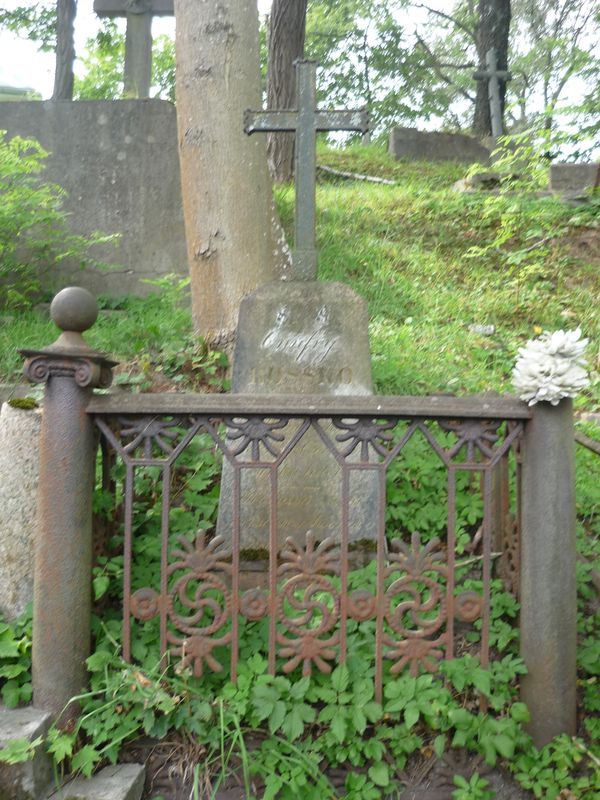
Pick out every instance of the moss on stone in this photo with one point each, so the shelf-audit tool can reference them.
(24, 403)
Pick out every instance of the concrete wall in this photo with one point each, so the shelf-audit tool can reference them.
(119, 164)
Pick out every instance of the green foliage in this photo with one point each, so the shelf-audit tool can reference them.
(34, 233)
(36, 22)
(473, 789)
(16, 751)
(15, 660)
(104, 63)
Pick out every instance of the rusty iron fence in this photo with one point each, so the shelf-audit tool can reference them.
(418, 594)
(426, 594)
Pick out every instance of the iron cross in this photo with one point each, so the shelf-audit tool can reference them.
(493, 76)
(305, 121)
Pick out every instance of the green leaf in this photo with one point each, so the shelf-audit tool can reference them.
(505, 745)
(61, 747)
(411, 715)
(519, 712)
(12, 670)
(359, 720)
(98, 660)
(439, 745)
(101, 584)
(340, 678)
(338, 727)
(277, 716)
(9, 648)
(373, 711)
(11, 694)
(15, 751)
(85, 760)
(379, 774)
(293, 725)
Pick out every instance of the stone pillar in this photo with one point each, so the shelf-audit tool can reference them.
(138, 56)
(19, 473)
(548, 554)
(63, 550)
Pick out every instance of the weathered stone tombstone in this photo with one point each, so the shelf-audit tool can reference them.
(302, 337)
(415, 145)
(574, 180)
(138, 38)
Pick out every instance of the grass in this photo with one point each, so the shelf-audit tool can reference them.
(408, 250)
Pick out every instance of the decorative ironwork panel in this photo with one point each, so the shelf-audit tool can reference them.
(431, 585)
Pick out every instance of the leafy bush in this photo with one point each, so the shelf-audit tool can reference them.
(34, 233)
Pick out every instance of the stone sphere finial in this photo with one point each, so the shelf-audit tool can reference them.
(74, 309)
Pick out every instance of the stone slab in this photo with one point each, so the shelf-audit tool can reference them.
(574, 178)
(301, 338)
(415, 145)
(19, 475)
(119, 782)
(119, 164)
(31, 779)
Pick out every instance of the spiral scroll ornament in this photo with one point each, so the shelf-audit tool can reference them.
(199, 603)
(86, 372)
(415, 605)
(308, 605)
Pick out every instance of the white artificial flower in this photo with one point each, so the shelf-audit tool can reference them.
(551, 367)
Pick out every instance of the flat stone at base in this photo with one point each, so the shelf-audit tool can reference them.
(300, 338)
(119, 782)
(30, 779)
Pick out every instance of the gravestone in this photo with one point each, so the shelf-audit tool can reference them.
(19, 474)
(138, 38)
(415, 145)
(119, 165)
(574, 179)
(302, 337)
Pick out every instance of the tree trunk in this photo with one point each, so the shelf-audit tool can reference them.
(234, 240)
(65, 49)
(492, 32)
(287, 30)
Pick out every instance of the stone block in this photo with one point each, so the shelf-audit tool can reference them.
(301, 338)
(119, 164)
(119, 782)
(19, 474)
(31, 779)
(574, 179)
(415, 145)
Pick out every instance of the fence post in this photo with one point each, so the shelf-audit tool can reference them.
(548, 554)
(63, 549)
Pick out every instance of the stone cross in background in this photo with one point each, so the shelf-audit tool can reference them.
(493, 76)
(305, 121)
(138, 39)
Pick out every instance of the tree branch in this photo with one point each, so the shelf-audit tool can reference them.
(442, 75)
(469, 31)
